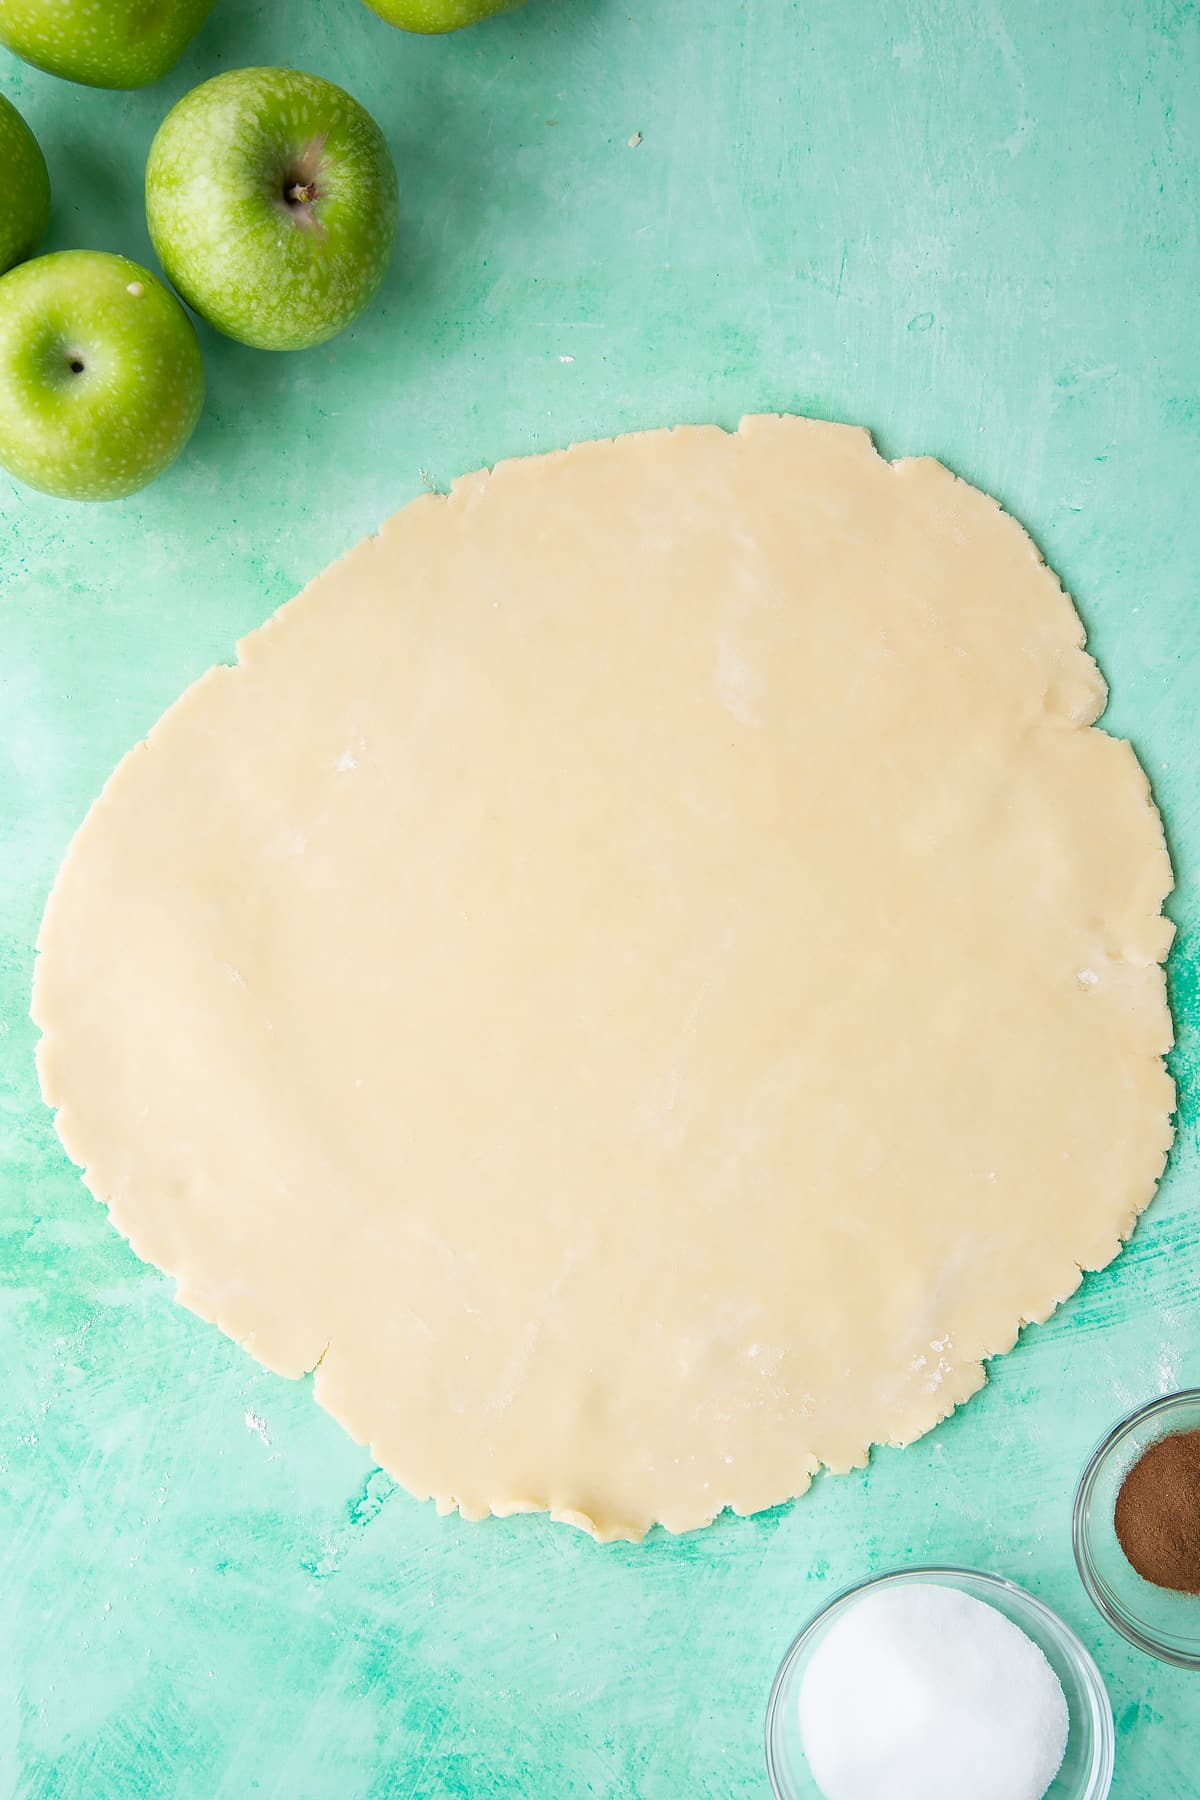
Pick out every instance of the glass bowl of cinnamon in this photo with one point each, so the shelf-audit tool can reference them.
(1136, 1528)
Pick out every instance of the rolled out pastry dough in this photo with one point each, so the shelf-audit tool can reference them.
(644, 972)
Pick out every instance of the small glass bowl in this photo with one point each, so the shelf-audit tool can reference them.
(1158, 1620)
(1087, 1768)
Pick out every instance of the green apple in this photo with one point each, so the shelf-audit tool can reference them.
(271, 201)
(103, 43)
(101, 381)
(438, 15)
(24, 189)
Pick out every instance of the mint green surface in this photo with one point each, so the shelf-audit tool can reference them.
(973, 228)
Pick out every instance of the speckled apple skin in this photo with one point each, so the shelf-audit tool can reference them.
(24, 189)
(108, 430)
(213, 205)
(102, 43)
(439, 15)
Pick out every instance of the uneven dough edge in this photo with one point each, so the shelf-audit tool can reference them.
(306, 1356)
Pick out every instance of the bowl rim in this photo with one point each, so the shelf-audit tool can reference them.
(1100, 1776)
(1142, 1637)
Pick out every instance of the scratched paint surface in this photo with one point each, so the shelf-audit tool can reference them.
(973, 228)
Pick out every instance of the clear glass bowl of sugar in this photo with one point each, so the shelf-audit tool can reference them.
(1087, 1767)
(1159, 1621)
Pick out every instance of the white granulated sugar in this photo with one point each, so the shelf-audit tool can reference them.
(921, 1692)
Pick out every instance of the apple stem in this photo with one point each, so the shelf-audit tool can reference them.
(300, 193)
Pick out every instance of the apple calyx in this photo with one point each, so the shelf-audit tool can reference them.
(67, 363)
(301, 188)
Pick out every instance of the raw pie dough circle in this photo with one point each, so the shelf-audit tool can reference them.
(643, 972)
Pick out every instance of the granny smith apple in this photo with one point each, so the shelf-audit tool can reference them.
(271, 201)
(101, 381)
(439, 15)
(103, 43)
(24, 189)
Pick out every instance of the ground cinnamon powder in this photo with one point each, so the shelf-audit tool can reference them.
(1158, 1513)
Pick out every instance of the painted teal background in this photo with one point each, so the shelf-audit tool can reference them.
(972, 227)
